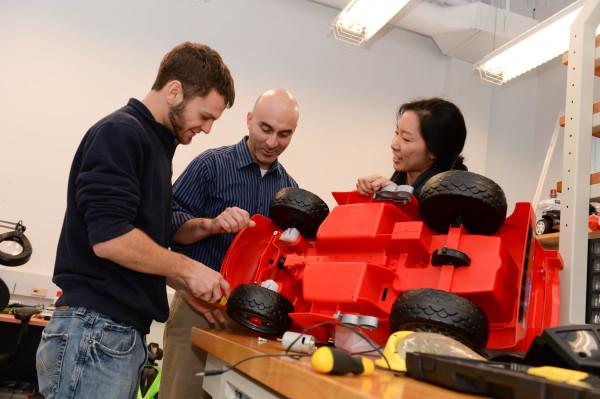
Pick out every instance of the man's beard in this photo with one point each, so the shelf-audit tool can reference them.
(176, 117)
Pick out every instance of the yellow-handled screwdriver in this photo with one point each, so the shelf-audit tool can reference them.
(334, 361)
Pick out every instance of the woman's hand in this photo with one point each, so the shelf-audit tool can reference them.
(369, 184)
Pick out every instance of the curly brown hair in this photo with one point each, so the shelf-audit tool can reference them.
(199, 68)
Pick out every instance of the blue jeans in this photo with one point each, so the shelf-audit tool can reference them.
(84, 354)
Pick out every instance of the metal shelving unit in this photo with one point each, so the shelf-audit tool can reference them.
(579, 122)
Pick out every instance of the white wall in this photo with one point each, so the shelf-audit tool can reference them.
(65, 64)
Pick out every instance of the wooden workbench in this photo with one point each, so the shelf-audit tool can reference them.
(550, 240)
(295, 378)
(34, 321)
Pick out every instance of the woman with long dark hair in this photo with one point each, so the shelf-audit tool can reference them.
(429, 137)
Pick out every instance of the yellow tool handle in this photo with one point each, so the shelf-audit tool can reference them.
(558, 374)
(333, 361)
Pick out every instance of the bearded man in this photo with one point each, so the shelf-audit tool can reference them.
(112, 261)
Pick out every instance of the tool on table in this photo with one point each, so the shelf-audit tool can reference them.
(572, 346)
(334, 361)
(502, 380)
(402, 342)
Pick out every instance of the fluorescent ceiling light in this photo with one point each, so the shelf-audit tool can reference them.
(361, 19)
(540, 44)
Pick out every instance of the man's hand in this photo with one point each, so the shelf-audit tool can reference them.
(214, 313)
(231, 220)
(135, 250)
(200, 281)
(369, 184)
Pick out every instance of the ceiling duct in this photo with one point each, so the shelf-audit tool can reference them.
(461, 29)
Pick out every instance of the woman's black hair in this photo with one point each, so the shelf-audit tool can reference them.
(443, 129)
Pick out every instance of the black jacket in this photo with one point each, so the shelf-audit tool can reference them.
(120, 179)
(400, 178)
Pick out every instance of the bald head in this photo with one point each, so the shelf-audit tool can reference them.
(271, 124)
(279, 103)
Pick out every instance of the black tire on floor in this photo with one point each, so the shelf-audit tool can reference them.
(260, 309)
(438, 311)
(295, 207)
(457, 195)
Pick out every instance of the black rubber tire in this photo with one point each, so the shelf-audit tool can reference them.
(295, 207)
(543, 226)
(4, 294)
(427, 309)
(253, 302)
(456, 195)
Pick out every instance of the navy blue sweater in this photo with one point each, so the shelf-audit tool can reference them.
(120, 179)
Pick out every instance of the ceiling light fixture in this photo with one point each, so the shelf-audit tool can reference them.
(540, 44)
(361, 19)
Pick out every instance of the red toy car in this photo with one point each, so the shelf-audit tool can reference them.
(451, 263)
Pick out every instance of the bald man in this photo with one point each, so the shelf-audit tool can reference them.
(214, 199)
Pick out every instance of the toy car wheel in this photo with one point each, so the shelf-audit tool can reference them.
(458, 196)
(295, 207)
(441, 312)
(260, 309)
(543, 226)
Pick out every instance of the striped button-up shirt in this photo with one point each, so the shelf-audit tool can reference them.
(217, 179)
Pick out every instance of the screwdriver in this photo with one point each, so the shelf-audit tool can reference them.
(334, 361)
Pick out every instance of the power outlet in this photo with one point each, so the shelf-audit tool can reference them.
(39, 292)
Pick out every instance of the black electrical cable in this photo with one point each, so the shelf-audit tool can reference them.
(210, 373)
(351, 328)
(367, 351)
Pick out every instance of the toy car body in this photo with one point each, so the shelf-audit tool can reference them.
(374, 258)
(549, 222)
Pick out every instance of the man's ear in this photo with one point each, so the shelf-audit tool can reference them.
(174, 92)
(248, 119)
